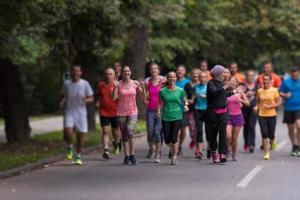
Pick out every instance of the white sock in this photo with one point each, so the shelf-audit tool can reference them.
(70, 145)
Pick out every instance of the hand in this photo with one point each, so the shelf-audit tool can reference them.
(116, 83)
(190, 101)
(158, 114)
(267, 106)
(85, 100)
(186, 108)
(141, 81)
(255, 109)
(241, 89)
(288, 95)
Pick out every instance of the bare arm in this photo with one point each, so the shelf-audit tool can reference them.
(115, 95)
(244, 100)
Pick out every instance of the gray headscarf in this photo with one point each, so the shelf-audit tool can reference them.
(217, 72)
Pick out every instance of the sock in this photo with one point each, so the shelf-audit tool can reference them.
(70, 146)
(79, 155)
(105, 150)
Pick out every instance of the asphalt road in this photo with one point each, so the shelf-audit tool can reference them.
(250, 178)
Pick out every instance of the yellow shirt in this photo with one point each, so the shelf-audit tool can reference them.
(267, 96)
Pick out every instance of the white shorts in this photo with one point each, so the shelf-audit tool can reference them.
(77, 121)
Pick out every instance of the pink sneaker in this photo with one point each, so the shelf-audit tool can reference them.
(223, 158)
(215, 157)
(246, 148)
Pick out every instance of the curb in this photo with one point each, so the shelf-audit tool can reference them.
(42, 163)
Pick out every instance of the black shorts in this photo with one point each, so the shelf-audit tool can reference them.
(106, 121)
(185, 120)
(290, 117)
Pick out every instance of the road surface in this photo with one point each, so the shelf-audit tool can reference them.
(249, 178)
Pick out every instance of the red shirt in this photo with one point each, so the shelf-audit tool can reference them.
(108, 107)
(275, 82)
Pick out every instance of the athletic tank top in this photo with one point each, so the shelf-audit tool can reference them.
(153, 91)
(234, 105)
(127, 99)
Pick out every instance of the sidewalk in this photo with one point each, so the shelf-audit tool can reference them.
(40, 126)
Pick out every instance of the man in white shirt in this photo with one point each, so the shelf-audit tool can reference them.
(76, 93)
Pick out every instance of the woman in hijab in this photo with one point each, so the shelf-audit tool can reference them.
(217, 115)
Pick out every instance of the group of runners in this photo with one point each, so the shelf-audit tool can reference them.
(216, 103)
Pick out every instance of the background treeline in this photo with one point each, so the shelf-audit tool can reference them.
(40, 39)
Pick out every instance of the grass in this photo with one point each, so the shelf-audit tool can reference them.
(44, 146)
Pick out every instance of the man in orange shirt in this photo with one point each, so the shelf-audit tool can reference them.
(233, 68)
(268, 69)
(108, 113)
(204, 68)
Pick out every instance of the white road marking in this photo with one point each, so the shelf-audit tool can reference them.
(247, 179)
(281, 144)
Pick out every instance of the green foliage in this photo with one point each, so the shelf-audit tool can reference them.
(46, 36)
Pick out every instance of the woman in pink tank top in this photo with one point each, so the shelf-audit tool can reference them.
(125, 91)
(154, 126)
(236, 119)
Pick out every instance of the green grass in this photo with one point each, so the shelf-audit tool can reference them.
(44, 146)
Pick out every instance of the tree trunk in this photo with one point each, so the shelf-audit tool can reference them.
(13, 104)
(135, 57)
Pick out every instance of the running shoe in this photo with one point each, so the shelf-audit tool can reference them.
(126, 160)
(78, 160)
(199, 155)
(117, 148)
(106, 155)
(274, 145)
(215, 157)
(133, 160)
(174, 161)
(246, 148)
(192, 144)
(69, 154)
(267, 156)
(208, 153)
(149, 154)
(294, 153)
(157, 159)
(297, 151)
(223, 158)
(234, 158)
(251, 149)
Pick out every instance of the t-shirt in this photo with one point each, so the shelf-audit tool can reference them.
(172, 101)
(293, 86)
(267, 96)
(275, 81)
(108, 107)
(127, 99)
(239, 77)
(181, 83)
(201, 102)
(74, 92)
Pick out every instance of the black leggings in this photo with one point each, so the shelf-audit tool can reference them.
(267, 127)
(170, 130)
(249, 127)
(216, 125)
(200, 116)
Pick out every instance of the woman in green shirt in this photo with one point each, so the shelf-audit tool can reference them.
(172, 98)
